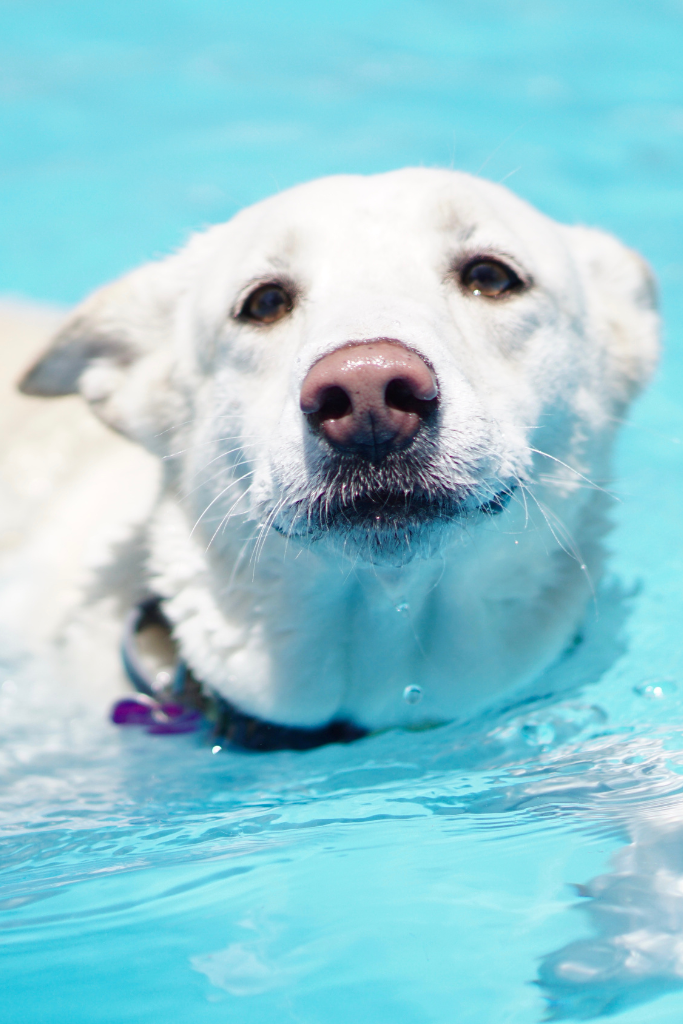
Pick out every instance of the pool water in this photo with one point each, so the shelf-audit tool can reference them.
(531, 866)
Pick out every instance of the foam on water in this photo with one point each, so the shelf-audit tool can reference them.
(409, 877)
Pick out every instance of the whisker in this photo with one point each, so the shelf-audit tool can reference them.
(265, 529)
(213, 440)
(236, 463)
(591, 483)
(215, 476)
(573, 550)
(224, 521)
(239, 559)
(219, 495)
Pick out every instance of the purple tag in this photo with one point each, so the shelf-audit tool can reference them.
(133, 711)
(170, 718)
(157, 718)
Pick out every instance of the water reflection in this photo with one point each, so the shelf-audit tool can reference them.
(636, 911)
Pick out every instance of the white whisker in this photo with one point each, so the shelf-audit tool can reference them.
(224, 521)
(591, 483)
(219, 495)
(211, 440)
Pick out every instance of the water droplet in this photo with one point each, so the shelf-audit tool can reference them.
(516, 542)
(475, 291)
(216, 749)
(412, 694)
(403, 608)
(656, 689)
(162, 678)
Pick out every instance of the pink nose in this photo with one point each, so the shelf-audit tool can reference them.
(369, 398)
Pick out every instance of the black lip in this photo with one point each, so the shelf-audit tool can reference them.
(390, 512)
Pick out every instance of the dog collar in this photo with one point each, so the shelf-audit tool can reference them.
(183, 704)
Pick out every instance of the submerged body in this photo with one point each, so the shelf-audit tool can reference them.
(383, 410)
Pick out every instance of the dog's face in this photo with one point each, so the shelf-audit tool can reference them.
(368, 363)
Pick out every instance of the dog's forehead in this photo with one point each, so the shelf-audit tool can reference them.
(418, 213)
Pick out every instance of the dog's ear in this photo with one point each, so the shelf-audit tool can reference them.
(622, 304)
(117, 349)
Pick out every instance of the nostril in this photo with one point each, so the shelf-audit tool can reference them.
(400, 395)
(334, 404)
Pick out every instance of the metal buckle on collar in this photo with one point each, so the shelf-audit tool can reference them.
(180, 704)
(170, 705)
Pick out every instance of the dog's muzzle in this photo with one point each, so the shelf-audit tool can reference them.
(377, 481)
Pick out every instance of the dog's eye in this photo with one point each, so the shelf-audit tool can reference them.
(490, 278)
(266, 304)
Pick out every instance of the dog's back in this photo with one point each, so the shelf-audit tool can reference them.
(70, 491)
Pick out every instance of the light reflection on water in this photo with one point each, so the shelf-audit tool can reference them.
(407, 877)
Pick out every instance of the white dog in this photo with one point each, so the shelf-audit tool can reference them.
(383, 407)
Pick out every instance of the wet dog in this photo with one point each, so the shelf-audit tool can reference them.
(383, 409)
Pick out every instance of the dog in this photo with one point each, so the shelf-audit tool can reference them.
(372, 420)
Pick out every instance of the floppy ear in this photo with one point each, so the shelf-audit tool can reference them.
(622, 303)
(117, 349)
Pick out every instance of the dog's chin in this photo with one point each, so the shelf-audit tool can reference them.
(384, 528)
(384, 539)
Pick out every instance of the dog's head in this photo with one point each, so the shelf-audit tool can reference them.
(367, 362)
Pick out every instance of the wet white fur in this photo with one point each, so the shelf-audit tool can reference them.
(299, 633)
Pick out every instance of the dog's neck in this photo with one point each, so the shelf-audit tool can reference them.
(300, 636)
(282, 631)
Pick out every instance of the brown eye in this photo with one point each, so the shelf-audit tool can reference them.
(490, 278)
(266, 304)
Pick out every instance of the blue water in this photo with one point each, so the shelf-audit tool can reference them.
(409, 878)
